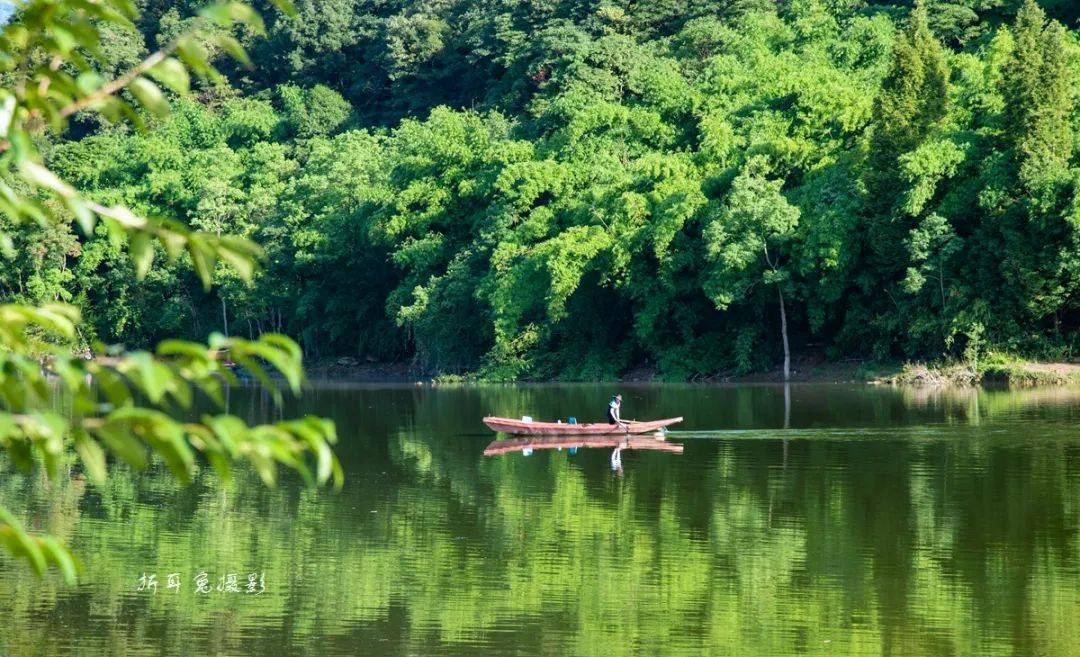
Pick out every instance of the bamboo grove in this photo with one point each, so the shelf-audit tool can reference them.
(576, 189)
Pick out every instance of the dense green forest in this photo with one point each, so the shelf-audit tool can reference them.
(577, 188)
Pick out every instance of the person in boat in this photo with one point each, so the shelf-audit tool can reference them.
(613, 409)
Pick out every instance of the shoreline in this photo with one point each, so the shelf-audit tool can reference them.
(1012, 373)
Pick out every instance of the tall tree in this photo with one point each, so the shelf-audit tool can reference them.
(913, 101)
(1039, 230)
(910, 109)
(747, 241)
(1039, 95)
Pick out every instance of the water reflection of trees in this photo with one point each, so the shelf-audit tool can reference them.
(920, 546)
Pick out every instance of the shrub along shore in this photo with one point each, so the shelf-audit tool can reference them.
(995, 371)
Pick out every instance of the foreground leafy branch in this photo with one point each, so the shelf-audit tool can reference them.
(115, 404)
(124, 405)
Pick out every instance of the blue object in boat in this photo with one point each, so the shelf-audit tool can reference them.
(571, 420)
(572, 450)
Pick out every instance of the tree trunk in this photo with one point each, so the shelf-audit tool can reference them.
(787, 419)
(787, 405)
(783, 333)
(224, 316)
(941, 283)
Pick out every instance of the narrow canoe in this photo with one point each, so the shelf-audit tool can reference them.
(570, 442)
(519, 427)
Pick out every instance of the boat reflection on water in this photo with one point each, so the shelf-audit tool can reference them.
(523, 443)
(527, 444)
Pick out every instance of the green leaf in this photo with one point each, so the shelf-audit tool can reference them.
(181, 392)
(65, 40)
(284, 343)
(163, 434)
(257, 370)
(142, 252)
(49, 430)
(227, 13)
(177, 456)
(83, 215)
(88, 82)
(194, 54)
(20, 543)
(172, 73)
(152, 378)
(212, 386)
(338, 474)
(92, 455)
(149, 96)
(231, 46)
(39, 175)
(242, 261)
(264, 466)
(192, 350)
(112, 384)
(203, 259)
(19, 451)
(282, 361)
(59, 556)
(284, 6)
(230, 431)
(121, 442)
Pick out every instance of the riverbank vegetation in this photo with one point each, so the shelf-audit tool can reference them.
(995, 370)
(575, 190)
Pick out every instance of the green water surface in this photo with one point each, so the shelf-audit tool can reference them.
(820, 519)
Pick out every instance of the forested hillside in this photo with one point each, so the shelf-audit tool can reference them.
(573, 189)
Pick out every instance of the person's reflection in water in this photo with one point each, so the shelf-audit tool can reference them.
(616, 459)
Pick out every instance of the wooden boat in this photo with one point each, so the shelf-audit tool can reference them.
(525, 428)
(570, 442)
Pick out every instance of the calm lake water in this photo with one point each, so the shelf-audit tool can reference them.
(832, 520)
